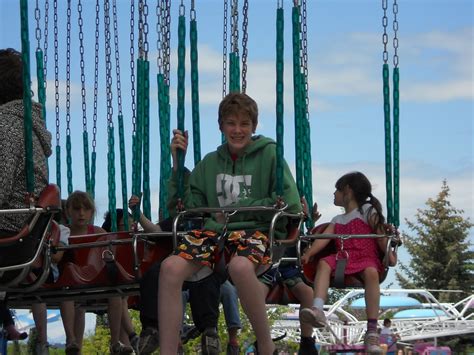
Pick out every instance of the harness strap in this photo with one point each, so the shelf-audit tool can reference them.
(339, 275)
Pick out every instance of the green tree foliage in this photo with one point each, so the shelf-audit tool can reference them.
(441, 253)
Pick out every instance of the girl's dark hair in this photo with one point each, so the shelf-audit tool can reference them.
(11, 71)
(107, 225)
(362, 189)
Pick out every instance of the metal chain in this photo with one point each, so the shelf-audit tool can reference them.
(56, 70)
(145, 29)
(159, 58)
(245, 22)
(68, 100)
(96, 77)
(117, 57)
(224, 51)
(385, 36)
(81, 61)
(38, 29)
(132, 65)
(192, 11)
(140, 29)
(167, 42)
(108, 64)
(304, 48)
(45, 46)
(235, 26)
(395, 31)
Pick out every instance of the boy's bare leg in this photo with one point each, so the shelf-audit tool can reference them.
(304, 294)
(252, 298)
(174, 270)
(39, 316)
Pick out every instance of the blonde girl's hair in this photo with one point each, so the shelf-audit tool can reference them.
(80, 199)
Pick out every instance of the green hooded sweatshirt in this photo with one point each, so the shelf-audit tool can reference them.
(250, 180)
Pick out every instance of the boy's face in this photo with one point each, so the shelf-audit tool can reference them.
(238, 130)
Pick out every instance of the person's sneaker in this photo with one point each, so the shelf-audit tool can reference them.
(307, 346)
(120, 349)
(371, 342)
(149, 341)
(135, 343)
(210, 343)
(232, 349)
(313, 316)
(189, 332)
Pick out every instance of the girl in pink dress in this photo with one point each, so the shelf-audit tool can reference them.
(363, 215)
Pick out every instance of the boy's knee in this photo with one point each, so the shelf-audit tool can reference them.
(240, 266)
(170, 269)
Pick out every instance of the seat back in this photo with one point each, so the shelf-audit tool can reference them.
(20, 252)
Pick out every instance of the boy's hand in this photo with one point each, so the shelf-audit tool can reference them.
(179, 141)
(307, 256)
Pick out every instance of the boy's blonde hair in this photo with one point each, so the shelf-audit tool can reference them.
(237, 103)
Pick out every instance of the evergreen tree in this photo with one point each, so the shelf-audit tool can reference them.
(441, 254)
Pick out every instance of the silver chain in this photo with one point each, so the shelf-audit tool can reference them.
(166, 23)
(83, 77)
(235, 26)
(245, 37)
(305, 55)
(117, 57)
(56, 70)
(141, 53)
(132, 65)
(395, 32)
(108, 64)
(224, 51)
(96, 74)
(45, 49)
(145, 28)
(385, 36)
(159, 58)
(68, 69)
(38, 29)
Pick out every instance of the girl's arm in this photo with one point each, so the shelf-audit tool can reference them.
(318, 245)
(148, 226)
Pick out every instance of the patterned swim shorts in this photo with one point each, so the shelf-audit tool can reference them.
(202, 246)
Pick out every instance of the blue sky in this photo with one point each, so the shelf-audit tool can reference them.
(345, 83)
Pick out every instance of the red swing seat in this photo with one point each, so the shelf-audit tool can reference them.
(350, 281)
(25, 250)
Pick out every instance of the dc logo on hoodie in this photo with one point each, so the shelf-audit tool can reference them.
(231, 189)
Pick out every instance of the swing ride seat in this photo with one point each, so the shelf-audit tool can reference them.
(349, 281)
(25, 250)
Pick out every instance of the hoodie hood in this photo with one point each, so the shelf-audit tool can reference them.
(258, 143)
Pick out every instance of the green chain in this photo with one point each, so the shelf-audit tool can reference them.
(165, 165)
(93, 170)
(396, 147)
(69, 164)
(58, 166)
(195, 91)
(137, 139)
(146, 139)
(388, 144)
(28, 123)
(181, 92)
(279, 101)
(297, 100)
(111, 178)
(41, 88)
(123, 169)
(85, 148)
(234, 72)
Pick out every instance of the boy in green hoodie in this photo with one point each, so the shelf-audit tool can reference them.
(241, 172)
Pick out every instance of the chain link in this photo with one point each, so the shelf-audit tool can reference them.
(159, 57)
(81, 64)
(245, 36)
(395, 32)
(385, 35)
(45, 46)
(141, 53)
(117, 57)
(145, 28)
(167, 42)
(224, 51)
(235, 26)
(96, 78)
(68, 100)
(38, 29)
(132, 66)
